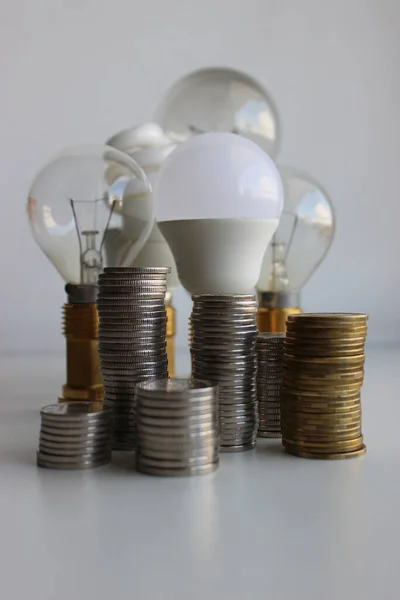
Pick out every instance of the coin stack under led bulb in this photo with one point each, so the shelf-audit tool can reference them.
(177, 427)
(322, 378)
(269, 377)
(132, 340)
(74, 435)
(223, 340)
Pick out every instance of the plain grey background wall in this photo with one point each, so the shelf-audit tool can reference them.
(75, 71)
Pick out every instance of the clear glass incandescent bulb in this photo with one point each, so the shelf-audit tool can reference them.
(81, 215)
(218, 199)
(300, 243)
(220, 99)
(148, 145)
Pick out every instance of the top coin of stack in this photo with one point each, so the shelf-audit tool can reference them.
(74, 435)
(223, 339)
(132, 339)
(177, 427)
(322, 378)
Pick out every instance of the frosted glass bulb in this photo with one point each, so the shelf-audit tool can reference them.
(218, 199)
(220, 99)
(148, 145)
(304, 235)
(72, 211)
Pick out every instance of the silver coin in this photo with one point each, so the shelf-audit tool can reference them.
(73, 453)
(178, 386)
(76, 439)
(204, 444)
(176, 430)
(239, 448)
(59, 459)
(180, 432)
(133, 287)
(144, 467)
(168, 411)
(69, 428)
(136, 270)
(123, 310)
(269, 434)
(224, 321)
(230, 330)
(126, 384)
(192, 421)
(73, 411)
(223, 298)
(133, 364)
(180, 463)
(237, 441)
(82, 464)
(143, 320)
(137, 343)
(184, 459)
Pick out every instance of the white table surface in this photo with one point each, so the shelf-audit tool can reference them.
(264, 525)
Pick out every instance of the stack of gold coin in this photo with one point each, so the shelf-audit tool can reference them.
(323, 374)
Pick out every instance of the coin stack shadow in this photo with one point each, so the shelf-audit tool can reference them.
(322, 378)
(132, 340)
(269, 378)
(223, 340)
(177, 427)
(74, 435)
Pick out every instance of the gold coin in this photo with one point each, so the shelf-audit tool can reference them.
(321, 418)
(306, 318)
(317, 435)
(309, 364)
(318, 446)
(340, 395)
(329, 360)
(321, 377)
(318, 410)
(329, 455)
(337, 385)
(314, 431)
(310, 351)
(328, 332)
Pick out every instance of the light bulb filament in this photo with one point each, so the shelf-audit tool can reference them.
(91, 258)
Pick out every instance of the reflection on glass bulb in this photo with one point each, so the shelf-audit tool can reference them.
(303, 237)
(148, 145)
(81, 216)
(220, 99)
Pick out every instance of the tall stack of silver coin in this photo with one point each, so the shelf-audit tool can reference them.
(270, 351)
(132, 340)
(74, 435)
(177, 427)
(223, 340)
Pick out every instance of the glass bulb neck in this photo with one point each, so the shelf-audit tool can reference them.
(281, 299)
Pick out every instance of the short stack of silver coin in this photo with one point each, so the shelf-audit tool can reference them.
(223, 339)
(132, 340)
(270, 350)
(177, 427)
(74, 435)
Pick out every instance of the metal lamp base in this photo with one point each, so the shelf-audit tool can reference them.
(274, 309)
(81, 331)
(171, 330)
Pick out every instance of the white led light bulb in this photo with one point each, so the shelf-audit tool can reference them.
(218, 199)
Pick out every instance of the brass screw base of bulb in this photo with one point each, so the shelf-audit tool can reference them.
(273, 320)
(171, 330)
(83, 367)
